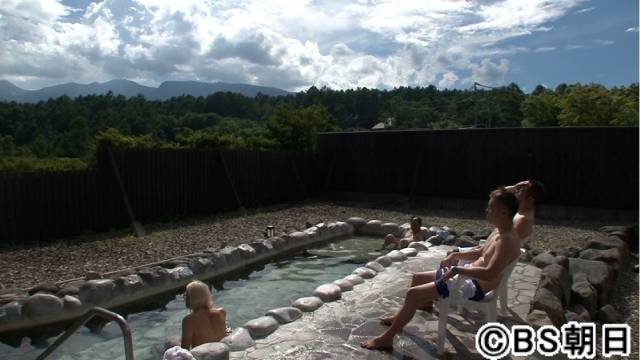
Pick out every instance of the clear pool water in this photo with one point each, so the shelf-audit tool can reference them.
(277, 284)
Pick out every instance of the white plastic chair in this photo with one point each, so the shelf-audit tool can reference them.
(487, 305)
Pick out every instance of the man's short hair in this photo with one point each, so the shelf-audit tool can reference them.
(506, 198)
(418, 219)
(537, 190)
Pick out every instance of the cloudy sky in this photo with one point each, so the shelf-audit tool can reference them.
(293, 44)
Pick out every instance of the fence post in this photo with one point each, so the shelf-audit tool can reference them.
(137, 227)
(226, 173)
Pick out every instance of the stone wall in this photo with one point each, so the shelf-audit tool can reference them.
(576, 284)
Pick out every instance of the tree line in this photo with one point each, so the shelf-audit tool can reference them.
(65, 133)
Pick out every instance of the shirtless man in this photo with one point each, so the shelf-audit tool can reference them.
(488, 264)
(415, 233)
(528, 193)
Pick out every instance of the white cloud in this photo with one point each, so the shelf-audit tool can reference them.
(632, 29)
(283, 43)
(585, 10)
(604, 42)
(545, 49)
(488, 72)
(448, 80)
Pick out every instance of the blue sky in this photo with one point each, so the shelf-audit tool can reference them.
(339, 44)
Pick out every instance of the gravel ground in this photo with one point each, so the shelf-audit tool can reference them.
(72, 258)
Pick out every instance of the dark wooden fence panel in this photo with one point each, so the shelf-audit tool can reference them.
(161, 185)
(590, 167)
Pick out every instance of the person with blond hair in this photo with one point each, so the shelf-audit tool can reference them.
(203, 325)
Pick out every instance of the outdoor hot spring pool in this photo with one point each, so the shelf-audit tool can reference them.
(275, 285)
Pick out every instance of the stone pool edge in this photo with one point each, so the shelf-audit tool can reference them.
(42, 309)
(243, 337)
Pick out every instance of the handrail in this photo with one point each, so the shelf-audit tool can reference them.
(96, 311)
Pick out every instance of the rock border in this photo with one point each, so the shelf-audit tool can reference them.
(330, 292)
(20, 312)
(576, 284)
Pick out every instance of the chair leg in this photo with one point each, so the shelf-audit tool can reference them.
(504, 295)
(443, 316)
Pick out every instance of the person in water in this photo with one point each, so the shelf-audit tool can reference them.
(484, 272)
(205, 323)
(414, 233)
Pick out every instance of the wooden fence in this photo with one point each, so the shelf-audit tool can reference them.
(160, 185)
(586, 167)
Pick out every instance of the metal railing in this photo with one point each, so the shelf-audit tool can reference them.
(103, 313)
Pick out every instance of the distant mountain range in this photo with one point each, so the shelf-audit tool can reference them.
(168, 89)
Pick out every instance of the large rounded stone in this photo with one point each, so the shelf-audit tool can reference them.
(10, 312)
(419, 245)
(608, 242)
(261, 327)
(384, 260)
(328, 292)
(129, 284)
(548, 302)
(409, 252)
(396, 255)
(364, 272)
(154, 276)
(434, 240)
(307, 304)
(42, 305)
(538, 319)
(285, 314)
(354, 279)
(583, 293)
(375, 266)
(261, 247)
(200, 265)
(44, 288)
(71, 303)
(609, 315)
(97, 291)
(543, 260)
(392, 228)
(373, 227)
(356, 222)
(277, 242)
(181, 273)
(556, 279)
(344, 284)
(598, 275)
(238, 340)
(612, 257)
(465, 241)
(246, 251)
(581, 313)
(231, 255)
(297, 237)
(211, 351)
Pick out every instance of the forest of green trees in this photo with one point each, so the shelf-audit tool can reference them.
(65, 133)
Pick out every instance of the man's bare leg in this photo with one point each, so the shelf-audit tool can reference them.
(388, 240)
(415, 297)
(420, 278)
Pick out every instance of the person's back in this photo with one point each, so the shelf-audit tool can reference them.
(205, 323)
(204, 326)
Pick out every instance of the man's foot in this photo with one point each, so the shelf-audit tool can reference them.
(378, 343)
(388, 320)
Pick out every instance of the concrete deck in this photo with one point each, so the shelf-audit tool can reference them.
(335, 330)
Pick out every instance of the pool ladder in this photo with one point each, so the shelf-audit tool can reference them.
(100, 312)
